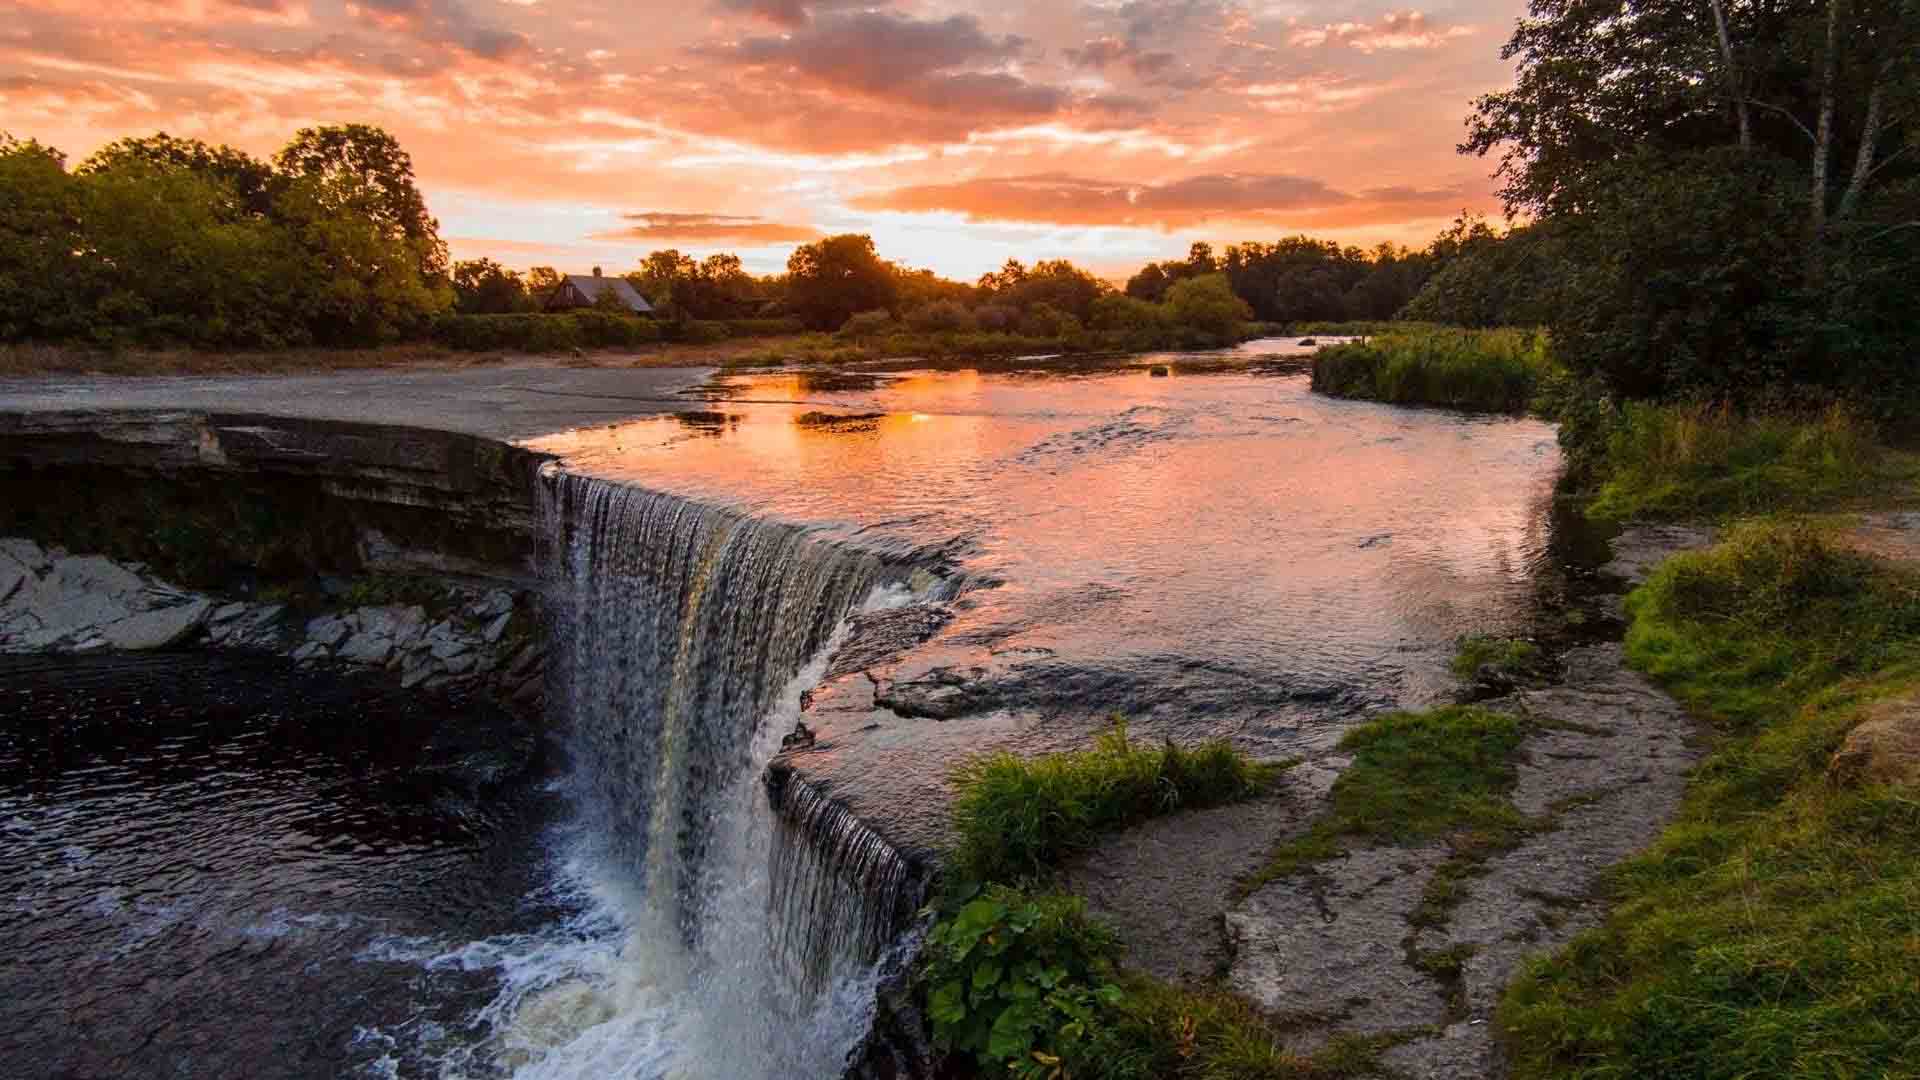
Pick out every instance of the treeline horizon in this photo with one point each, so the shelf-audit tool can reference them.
(164, 241)
(1297, 279)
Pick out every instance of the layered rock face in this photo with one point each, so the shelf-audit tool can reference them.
(486, 638)
(390, 549)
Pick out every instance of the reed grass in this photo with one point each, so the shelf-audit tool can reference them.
(1477, 370)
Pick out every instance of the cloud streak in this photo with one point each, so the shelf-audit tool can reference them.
(655, 227)
(1177, 204)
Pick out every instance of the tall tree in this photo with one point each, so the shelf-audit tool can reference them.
(361, 168)
(251, 179)
(830, 280)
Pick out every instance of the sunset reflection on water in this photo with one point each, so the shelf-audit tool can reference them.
(1216, 546)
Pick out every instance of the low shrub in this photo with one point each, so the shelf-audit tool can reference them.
(1027, 985)
(1484, 370)
(1016, 817)
(545, 333)
(867, 324)
(755, 328)
(1016, 978)
(942, 317)
(1509, 657)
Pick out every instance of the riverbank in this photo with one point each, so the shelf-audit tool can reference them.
(1769, 928)
(931, 349)
(26, 361)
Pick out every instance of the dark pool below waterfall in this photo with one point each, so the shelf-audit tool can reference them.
(200, 856)
(215, 867)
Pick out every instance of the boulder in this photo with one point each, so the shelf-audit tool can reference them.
(159, 628)
(328, 631)
(445, 641)
(1884, 748)
(494, 604)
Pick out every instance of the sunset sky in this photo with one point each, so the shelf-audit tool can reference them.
(960, 134)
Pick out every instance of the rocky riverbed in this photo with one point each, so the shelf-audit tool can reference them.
(1354, 945)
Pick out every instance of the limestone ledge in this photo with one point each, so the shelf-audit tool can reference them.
(55, 602)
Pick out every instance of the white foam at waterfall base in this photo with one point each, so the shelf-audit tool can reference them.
(615, 991)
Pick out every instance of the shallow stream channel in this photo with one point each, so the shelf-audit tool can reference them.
(223, 865)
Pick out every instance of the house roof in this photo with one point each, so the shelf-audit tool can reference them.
(592, 287)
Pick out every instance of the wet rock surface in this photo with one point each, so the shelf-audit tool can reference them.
(1350, 946)
(1163, 885)
(53, 602)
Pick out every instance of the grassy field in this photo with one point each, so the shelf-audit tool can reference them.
(1774, 929)
(1480, 370)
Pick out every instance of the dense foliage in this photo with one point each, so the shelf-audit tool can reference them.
(163, 240)
(1016, 980)
(1732, 190)
(1692, 461)
(1770, 931)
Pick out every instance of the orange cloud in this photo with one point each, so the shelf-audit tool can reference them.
(1396, 31)
(960, 133)
(718, 230)
(1186, 203)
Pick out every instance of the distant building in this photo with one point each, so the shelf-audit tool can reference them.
(580, 291)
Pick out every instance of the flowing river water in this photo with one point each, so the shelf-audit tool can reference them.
(223, 867)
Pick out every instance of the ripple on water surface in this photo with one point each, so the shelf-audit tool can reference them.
(1219, 550)
(197, 851)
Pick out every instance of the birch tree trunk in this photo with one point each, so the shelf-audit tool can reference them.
(1735, 84)
(1869, 140)
(1823, 147)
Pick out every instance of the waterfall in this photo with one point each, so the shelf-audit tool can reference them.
(839, 891)
(751, 921)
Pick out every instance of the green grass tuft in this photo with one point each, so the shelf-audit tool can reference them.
(1774, 928)
(1417, 776)
(1510, 657)
(1481, 370)
(1691, 461)
(1016, 817)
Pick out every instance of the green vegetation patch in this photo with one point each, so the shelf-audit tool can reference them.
(1016, 817)
(1022, 982)
(1482, 370)
(1678, 461)
(1774, 929)
(1025, 984)
(1509, 657)
(1417, 776)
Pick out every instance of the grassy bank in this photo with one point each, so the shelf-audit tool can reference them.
(1701, 461)
(1774, 930)
(1021, 981)
(18, 361)
(604, 341)
(1482, 370)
